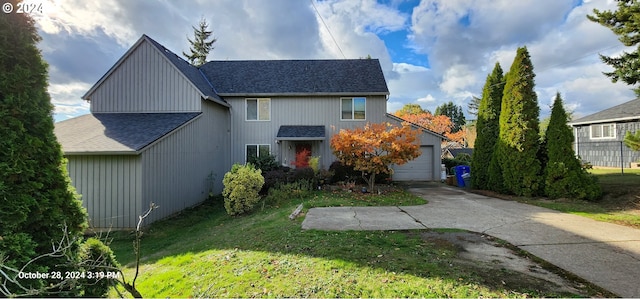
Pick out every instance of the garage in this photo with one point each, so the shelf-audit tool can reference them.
(419, 169)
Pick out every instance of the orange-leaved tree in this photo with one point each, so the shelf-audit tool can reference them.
(373, 148)
(440, 124)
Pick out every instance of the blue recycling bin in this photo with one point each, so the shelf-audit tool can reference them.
(461, 170)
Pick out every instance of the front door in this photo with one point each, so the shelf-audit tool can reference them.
(303, 152)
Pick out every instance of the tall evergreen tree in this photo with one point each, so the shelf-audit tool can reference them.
(518, 143)
(625, 24)
(200, 44)
(564, 176)
(632, 140)
(488, 130)
(455, 113)
(474, 105)
(37, 206)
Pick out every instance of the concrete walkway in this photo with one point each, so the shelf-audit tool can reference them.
(605, 254)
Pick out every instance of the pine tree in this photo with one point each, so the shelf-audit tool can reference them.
(200, 45)
(624, 23)
(518, 143)
(488, 130)
(37, 204)
(564, 176)
(455, 113)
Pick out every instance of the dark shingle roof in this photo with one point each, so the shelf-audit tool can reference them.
(301, 133)
(295, 77)
(456, 151)
(625, 111)
(192, 73)
(116, 133)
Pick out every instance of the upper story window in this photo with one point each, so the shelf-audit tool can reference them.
(258, 109)
(353, 108)
(603, 131)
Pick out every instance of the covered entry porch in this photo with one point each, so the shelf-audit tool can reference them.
(294, 140)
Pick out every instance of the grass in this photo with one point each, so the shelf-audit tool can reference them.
(620, 203)
(203, 252)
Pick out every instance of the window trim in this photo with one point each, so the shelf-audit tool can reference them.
(600, 126)
(246, 108)
(257, 145)
(353, 110)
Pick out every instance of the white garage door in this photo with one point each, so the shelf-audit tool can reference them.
(418, 169)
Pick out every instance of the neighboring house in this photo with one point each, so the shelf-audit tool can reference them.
(164, 131)
(452, 153)
(599, 136)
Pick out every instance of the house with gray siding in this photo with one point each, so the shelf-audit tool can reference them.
(164, 131)
(599, 136)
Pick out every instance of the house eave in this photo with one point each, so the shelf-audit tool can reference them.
(300, 138)
(609, 120)
(102, 153)
(303, 94)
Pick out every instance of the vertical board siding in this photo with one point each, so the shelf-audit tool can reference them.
(606, 152)
(110, 189)
(297, 111)
(176, 170)
(145, 82)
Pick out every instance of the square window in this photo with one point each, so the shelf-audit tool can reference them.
(603, 131)
(258, 109)
(257, 150)
(353, 108)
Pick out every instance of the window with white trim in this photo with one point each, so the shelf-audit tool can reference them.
(353, 108)
(258, 109)
(603, 131)
(257, 150)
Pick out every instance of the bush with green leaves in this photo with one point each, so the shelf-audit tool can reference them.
(241, 188)
(98, 258)
(566, 182)
(264, 162)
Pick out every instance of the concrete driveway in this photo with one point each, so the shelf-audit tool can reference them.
(605, 254)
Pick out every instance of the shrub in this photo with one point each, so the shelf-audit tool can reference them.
(274, 177)
(286, 191)
(341, 173)
(561, 181)
(264, 163)
(314, 163)
(241, 187)
(305, 173)
(302, 159)
(97, 258)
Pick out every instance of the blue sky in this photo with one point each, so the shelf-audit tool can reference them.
(431, 51)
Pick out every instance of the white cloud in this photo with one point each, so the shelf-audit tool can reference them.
(457, 79)
(427, 99)
(462, 40)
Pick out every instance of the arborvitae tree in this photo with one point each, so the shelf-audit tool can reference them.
(632, 140)
(200, 45)
(455, 113)
(37, 207)
(519, 129)
(488, 129)
(564, 176)
(624, 23)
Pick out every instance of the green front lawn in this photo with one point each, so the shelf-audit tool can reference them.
(205, 253)
(620, 203)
